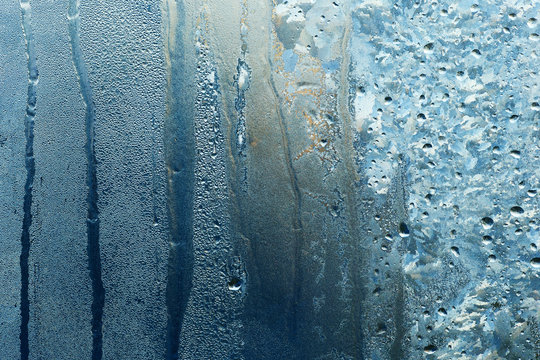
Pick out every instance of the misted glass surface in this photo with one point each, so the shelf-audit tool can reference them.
(263, 179)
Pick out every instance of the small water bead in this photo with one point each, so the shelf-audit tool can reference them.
(381, 328)
(487, 222)
(428, 48)
(515, 154)
(476, 53)
(516, 211)
(235, 284)
(455, 251)
(535, 262)
(403, 230)
(430, 349)
(442, 311)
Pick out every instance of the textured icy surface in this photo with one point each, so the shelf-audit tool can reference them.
(257, 179)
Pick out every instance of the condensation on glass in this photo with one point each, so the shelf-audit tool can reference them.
(257, 179)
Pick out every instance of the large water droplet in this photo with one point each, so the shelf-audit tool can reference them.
(442, 312)
(403, 230)
(430, 349)
(235, 284)
(487, 222)
(516, 211)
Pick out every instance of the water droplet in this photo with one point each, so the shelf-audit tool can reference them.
(455, 250)
(442, 311)
(487, 222)
(531, 193)
(235, 284)
(515, 154)
(492, 258)
(428, 48)
(403, 230)
(430, 349)
(535, 262)
(516, 211)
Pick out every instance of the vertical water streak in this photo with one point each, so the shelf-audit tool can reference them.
(179, 158)
(26, 14)
(92, 221)
(297, 225)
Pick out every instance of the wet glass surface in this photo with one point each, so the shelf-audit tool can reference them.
(257, 179)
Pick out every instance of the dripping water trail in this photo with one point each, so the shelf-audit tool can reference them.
(180, 157)
(350, 187)
(297, 217)
(155, 220)
(92, 221)
(26, 13)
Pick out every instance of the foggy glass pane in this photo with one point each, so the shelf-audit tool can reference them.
(266, 179)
